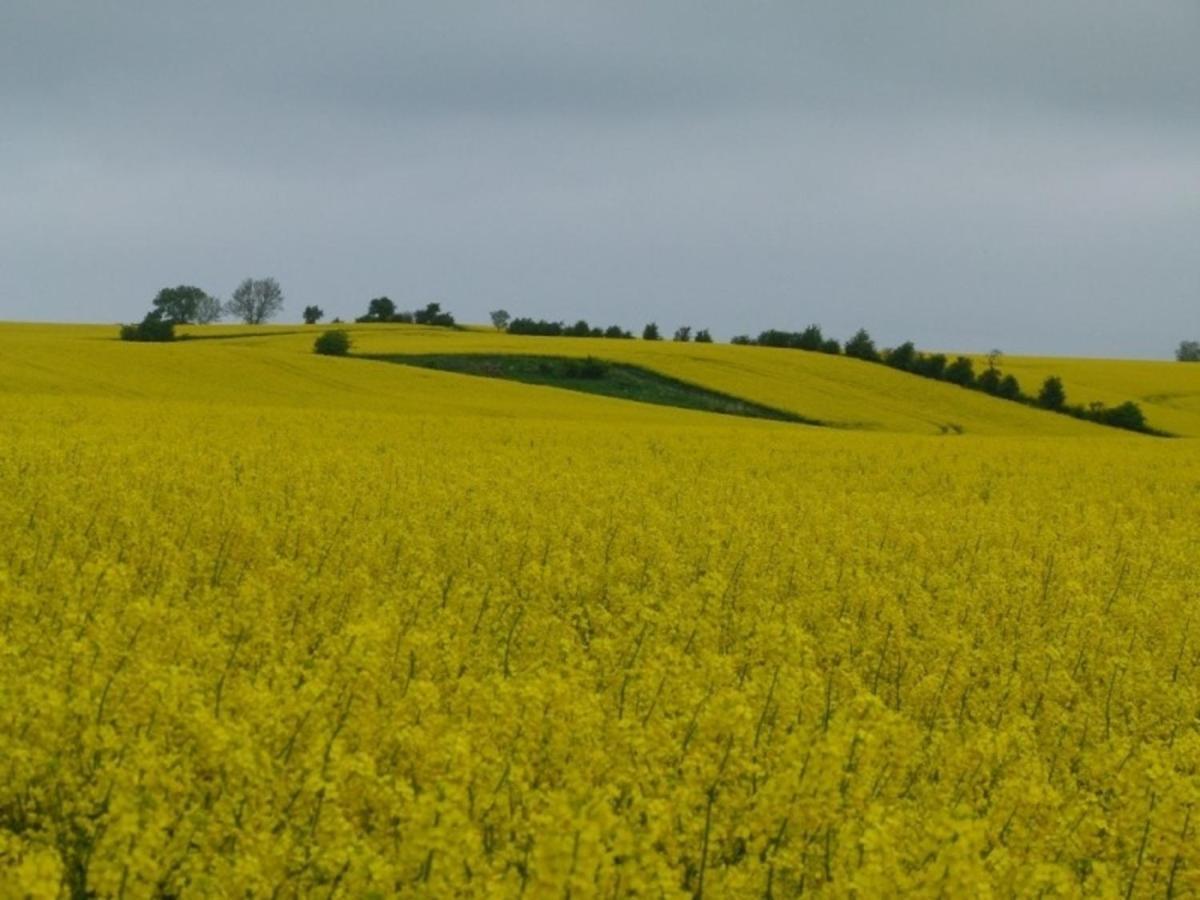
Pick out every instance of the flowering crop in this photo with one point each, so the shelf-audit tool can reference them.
(383, 635)
(1168, 392)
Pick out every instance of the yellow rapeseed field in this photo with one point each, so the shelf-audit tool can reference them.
(274, 624)
(835, 389)
(1168, 392)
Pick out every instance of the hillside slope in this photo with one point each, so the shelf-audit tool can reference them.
(1168, 392)
(274, 365)
(315, 626)
(832, 389)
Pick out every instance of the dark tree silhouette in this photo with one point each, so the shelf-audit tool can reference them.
(1052, 395)
(183, 304)
(862, 347)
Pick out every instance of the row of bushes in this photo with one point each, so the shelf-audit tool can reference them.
(810, 338)
(560, 329)
(860, 346)
(382, 309)
(1052, 396)
(906, 357)
(154, 327)
(960, 371)
(546, 328)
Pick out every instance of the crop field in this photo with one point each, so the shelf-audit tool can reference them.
(276, 624)
(1169, 393)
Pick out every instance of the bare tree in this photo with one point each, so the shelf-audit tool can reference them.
(208, 310)
(256, 300)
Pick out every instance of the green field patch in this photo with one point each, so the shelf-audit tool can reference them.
(594, 376)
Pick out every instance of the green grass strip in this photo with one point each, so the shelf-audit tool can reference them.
(594, 376)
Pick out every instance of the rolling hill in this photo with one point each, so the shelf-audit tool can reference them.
(274, 365)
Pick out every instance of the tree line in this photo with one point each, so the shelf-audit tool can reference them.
(254, 301)
(960, 370)
(382, 309)
(502, 321)
(1051, 396)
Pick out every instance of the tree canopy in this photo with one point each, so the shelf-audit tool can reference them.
(185, 304)
(256, 300)
(1052, 395)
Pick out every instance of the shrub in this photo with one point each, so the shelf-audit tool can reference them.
(535, 326)
(579, 329)
(811, 338)
(1052, 395)
(902, 357)
(335, 342)
(960, 372)
(862, 347)
(1010, 388)
(989, 381)
(1189, 351)
(930, 365)
(432, 315)
(773, 337)
(153, 328)
(1126, 415)
(380, 309)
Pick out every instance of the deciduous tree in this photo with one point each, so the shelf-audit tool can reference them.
(256, 300)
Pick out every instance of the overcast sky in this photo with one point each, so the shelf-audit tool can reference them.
(1016, 174)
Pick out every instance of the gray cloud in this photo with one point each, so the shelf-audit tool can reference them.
(1021, 174)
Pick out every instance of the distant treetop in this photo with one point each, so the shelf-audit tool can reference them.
(186, 304)
(256, 300)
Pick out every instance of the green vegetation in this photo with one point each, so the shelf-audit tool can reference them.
(153, 328)
(594, 376)
(383, 309)
(332, 343)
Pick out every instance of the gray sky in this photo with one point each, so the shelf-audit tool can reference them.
(1015, 174)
